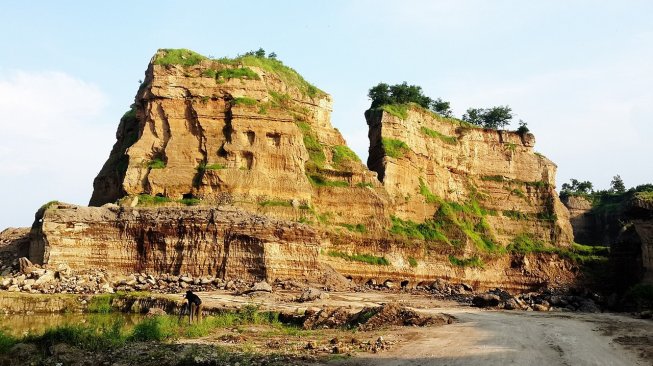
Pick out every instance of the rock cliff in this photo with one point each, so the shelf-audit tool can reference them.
(230, 167)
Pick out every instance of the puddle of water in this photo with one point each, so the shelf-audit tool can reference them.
(21, 324)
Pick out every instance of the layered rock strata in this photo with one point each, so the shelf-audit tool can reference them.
(250, 143)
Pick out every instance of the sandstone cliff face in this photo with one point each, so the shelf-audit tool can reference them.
(255, 142)
(251, 144)
(197, 240)
(425, 160)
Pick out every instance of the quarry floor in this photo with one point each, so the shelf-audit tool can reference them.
(485, 337)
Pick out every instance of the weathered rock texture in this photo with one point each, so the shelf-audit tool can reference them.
(197, 241)
(240, 141)
(252, 144)
(445, 160)
(626, 227)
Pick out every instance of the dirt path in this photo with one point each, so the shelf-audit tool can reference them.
(482, 337)
(523, 338)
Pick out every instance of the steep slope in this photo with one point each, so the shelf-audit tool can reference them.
(249, 144)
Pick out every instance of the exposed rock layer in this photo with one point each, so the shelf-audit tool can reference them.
(260, 154)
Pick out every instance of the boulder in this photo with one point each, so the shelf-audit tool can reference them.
(486, 300)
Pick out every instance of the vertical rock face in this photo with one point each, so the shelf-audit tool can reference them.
(198, 241)
(251, 143)
(426, 161)
(206, 131)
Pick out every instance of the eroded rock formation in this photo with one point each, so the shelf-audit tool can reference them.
(278, 194)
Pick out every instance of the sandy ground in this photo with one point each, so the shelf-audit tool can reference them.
(485, 337)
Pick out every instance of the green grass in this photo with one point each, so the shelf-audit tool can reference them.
(394, 148)
(101, 337)
(181, 56)
(189, 201)
(645, 196)
(244, 101)
(358, 228)
(149, 200)
(446, 139)
(364, 258)
(47, 205)
(494, 178)
(237, 73)
(318, 180)
(526, 243)
(210, 73)
(429, 230)
(6, 342)
(515, 215)
(547, 216)
(426, 192)
(342, 154)
(156, 164)
(316, 157)
(289, 76)
(100, 304)
(275, 203)
(397, 110)
(510, 146)
(364, 185)
(412, 262)
(474, 262)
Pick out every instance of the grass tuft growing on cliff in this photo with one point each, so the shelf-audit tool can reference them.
(397, 110)
(474, 262)
(515, 215)
(237, 73)
(244, 101)
(318, 180)
(394, 148)
(180, 56)
(446, 139)
(358, 228)
(156, 164)
(429, 230)
(412, 262)
(342, 154)
(275, 203)
(364, 258)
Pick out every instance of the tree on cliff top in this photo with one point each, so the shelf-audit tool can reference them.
(383, 94)
(617, 185)
(576, 188)
(495, 117)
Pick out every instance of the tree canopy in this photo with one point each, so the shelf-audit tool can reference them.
(495, 117)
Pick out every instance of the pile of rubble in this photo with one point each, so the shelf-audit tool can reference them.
(538, 301)
(370, 318)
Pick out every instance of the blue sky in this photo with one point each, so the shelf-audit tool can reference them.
(579, 72)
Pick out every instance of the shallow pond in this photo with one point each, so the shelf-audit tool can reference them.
(22, 324)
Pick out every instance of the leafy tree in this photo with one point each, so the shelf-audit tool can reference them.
(576, 188)
(380, 95)
(495, 117)
(617, 184)
(260, 53)
(441, 107)
(272, 55)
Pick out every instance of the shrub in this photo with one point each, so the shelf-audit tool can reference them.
(394, 148)
(47, 205)
(358, 228)
(515, 215)
(156, 164)
(146, 199)
(364, 184)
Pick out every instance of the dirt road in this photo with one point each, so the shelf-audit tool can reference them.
(483, 337)
(524, 338)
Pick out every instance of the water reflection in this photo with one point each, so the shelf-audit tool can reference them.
(21, 324)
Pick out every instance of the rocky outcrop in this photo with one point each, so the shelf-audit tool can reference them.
(261, 142)
(426, 161)
(231, 168)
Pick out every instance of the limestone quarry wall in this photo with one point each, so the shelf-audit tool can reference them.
(258, 155)
(178, 240)
(460, 163)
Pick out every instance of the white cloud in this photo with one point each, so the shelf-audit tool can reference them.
(51, 131)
